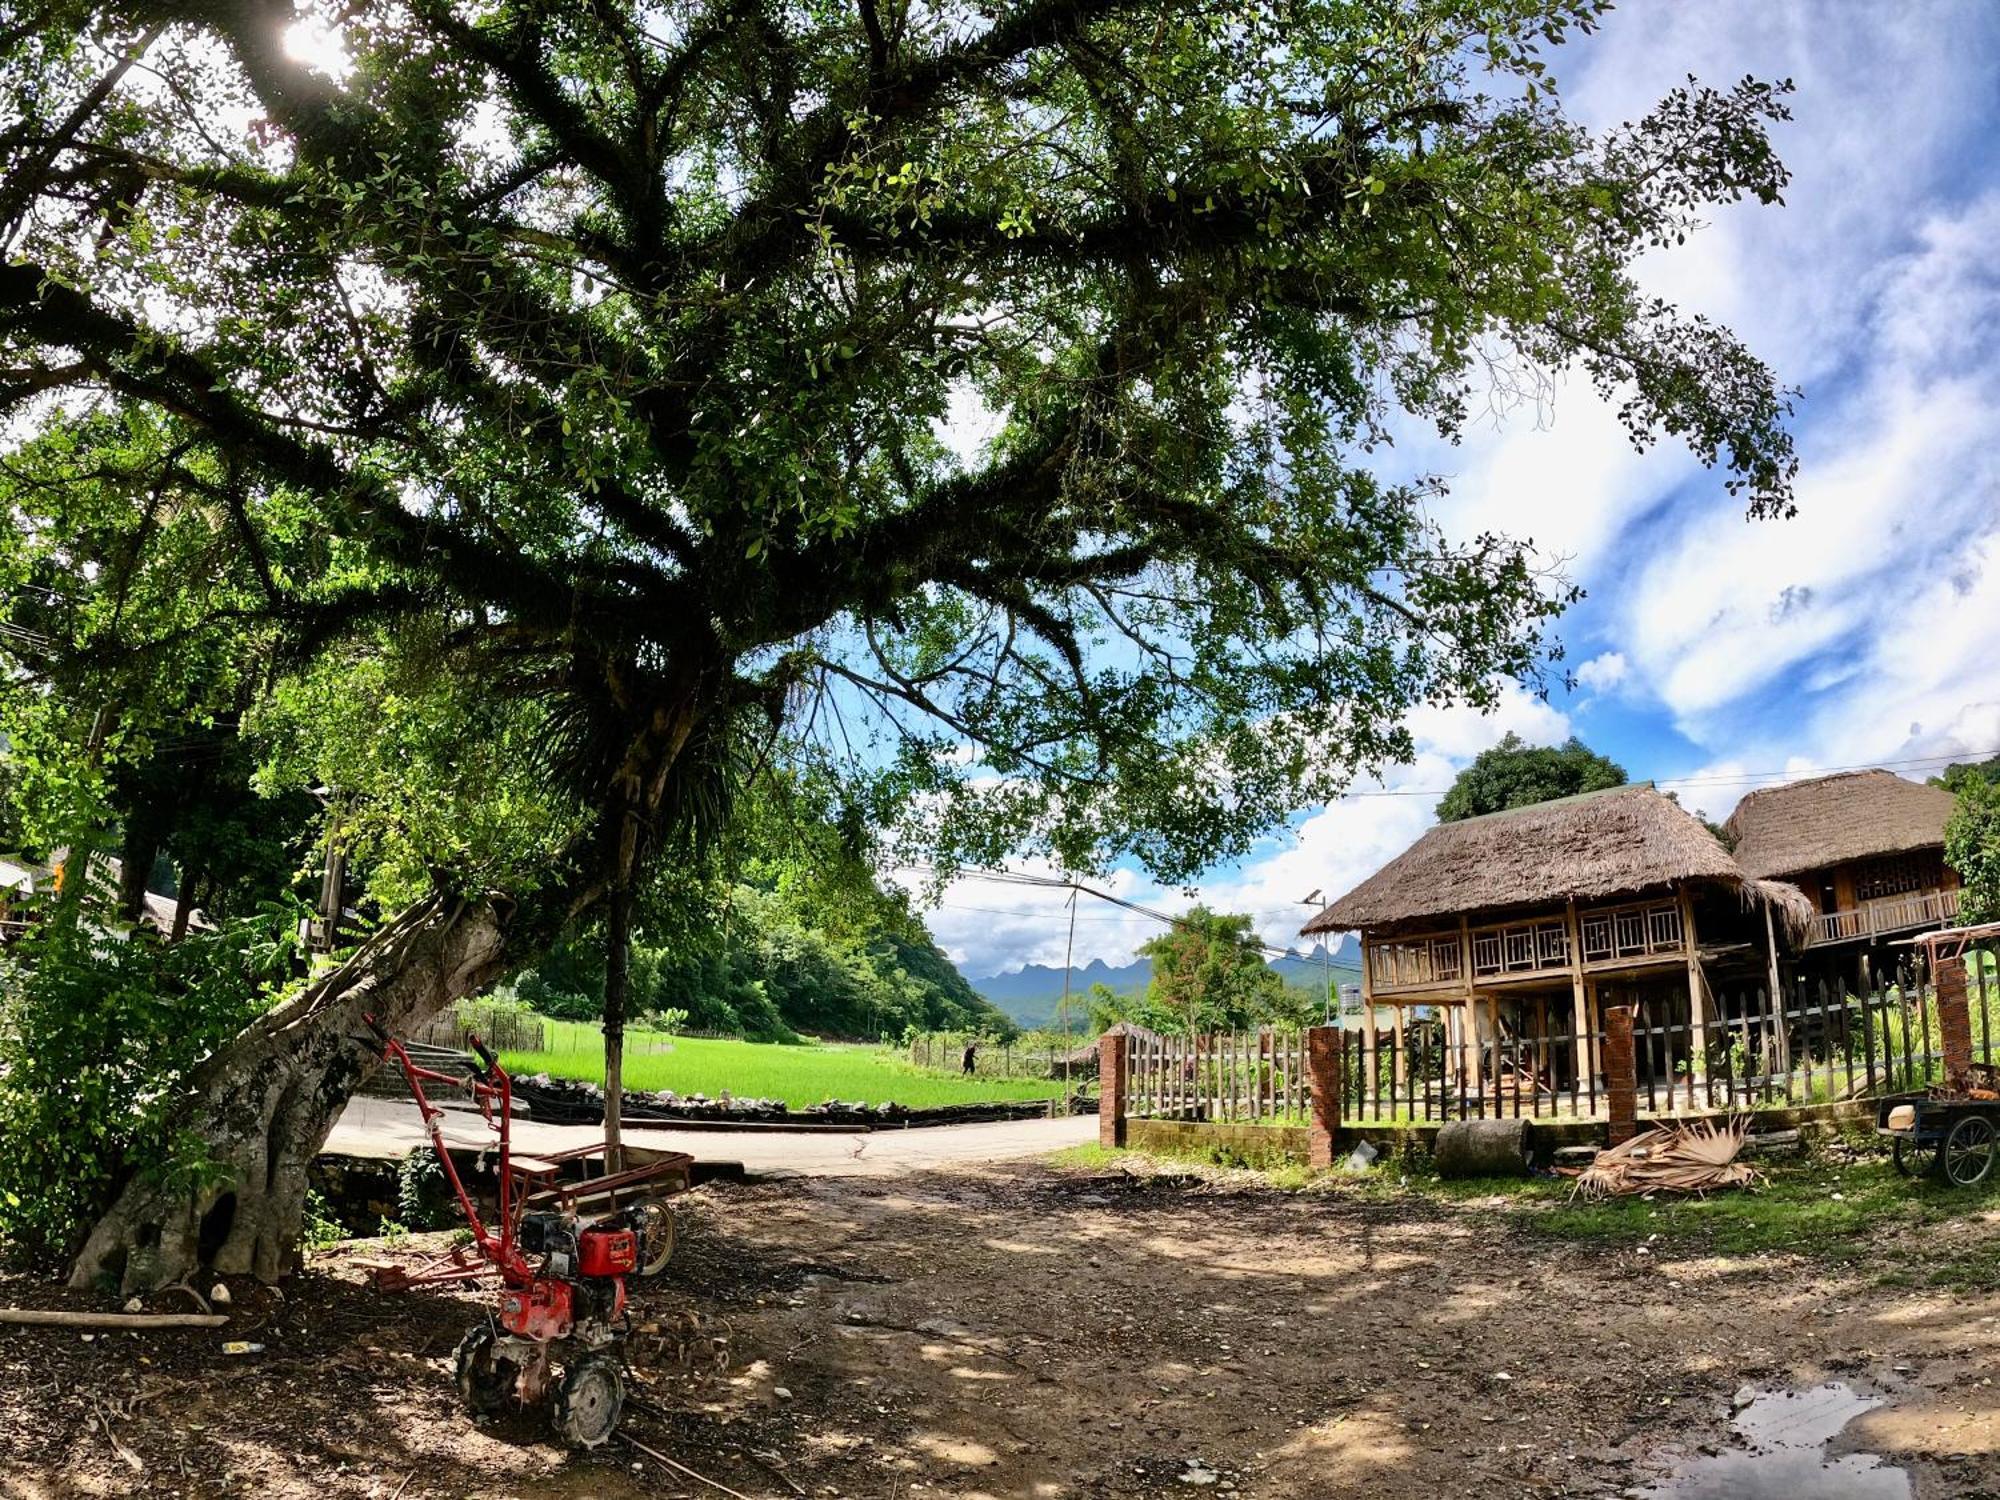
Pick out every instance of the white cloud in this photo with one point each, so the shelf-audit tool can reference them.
(1858, 632)
(987, 926)
(1603, 672)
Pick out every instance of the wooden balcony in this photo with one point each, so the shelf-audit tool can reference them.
(1634, 935)
(1918, 910)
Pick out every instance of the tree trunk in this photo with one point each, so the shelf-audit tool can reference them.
(265, 1102)
(191, 876)
(135, 867)
(617, 983)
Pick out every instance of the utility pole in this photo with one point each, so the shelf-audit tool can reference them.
(1325, 956)
(1069, 957)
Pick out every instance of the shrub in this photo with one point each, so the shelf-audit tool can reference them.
(95, 1035)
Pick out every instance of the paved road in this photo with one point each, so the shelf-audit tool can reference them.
(390, 1127)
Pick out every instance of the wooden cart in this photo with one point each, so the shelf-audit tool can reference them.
(1954, 1136)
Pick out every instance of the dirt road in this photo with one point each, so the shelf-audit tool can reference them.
(1020, 1331)
(392, 1127)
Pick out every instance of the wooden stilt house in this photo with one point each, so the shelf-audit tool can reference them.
(1867, 848)
(1529, 922)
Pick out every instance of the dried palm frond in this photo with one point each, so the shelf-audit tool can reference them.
(1694, 1158)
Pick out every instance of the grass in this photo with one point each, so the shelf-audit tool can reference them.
(1840, 1212)
(797, 1074)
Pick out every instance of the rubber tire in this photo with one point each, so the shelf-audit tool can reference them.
(589, 1401)
(658, 1236)
(485, 1382)
(1913, 1160)
(1973, 1133)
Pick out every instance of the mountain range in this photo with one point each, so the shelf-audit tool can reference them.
(1030, 995)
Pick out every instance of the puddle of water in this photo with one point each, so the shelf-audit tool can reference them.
(1784, 1458)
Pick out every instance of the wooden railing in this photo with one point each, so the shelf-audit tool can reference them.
(1237, 1077)
(1924, 909)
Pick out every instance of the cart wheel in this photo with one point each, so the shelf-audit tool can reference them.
(1911, 1159)
(486, 1378)
(658, 1234)
(589, 1400)
(1968, 1151)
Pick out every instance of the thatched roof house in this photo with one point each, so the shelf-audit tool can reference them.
(1830, 820)
(1588, 847)
(1545, 909)
(1866, 846)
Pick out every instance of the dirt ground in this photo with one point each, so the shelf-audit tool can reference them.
(1038, 1332)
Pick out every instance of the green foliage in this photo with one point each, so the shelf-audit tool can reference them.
(423, 1195)
(1956, 777)
(95, 1036)
(613, 368)
(1209, 974)
(1514, 773)
(322, 1230)
(1972, 847)
(775, 964)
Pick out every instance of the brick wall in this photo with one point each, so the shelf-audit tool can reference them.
(1323, 1072)
(1954, 1019)
(1621, 1079)
(1111, 1080)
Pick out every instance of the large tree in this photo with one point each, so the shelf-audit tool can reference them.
(1514, 773)
(1209, 974)
(985, 403)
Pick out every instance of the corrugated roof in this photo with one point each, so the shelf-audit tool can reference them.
(1806, 825)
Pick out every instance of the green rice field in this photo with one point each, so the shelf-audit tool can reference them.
(799, 1075)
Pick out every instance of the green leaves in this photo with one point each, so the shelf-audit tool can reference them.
(1001, 404)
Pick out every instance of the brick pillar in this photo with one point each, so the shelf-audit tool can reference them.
(1621, 1077)
(1323, 1072)
(1111, 1076)
(1954, 1019)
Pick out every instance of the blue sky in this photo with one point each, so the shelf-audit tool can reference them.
(1715, 652)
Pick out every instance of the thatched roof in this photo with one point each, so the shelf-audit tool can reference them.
(1792, 911)
(1593, 846)
(1807, 825)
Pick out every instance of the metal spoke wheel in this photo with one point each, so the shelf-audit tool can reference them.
(657, 1235)
(485, 1376)
(1911, 1159)
(1968, 1151)
(589, 1400)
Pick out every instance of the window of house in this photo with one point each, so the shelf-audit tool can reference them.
(1897, 875)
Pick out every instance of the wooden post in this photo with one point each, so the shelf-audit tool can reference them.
(1579, 1003)
(1493, 1026)
(1697, 996)
(1402, 1047)
(1370, 1078)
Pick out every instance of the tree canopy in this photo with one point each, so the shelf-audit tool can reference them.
(1972, 845)
(1514, 773)
(1209, 974)
(978, 414)
(621, 351)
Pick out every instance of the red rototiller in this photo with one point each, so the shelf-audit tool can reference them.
(565, 1304)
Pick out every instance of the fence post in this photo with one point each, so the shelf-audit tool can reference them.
(1111, 1078)
(1621, 1077)
(1323, 1073)
(1954, 1019)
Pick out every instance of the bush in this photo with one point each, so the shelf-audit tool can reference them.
(95, 1036)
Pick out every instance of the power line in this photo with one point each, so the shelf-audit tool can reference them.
(1743, 778)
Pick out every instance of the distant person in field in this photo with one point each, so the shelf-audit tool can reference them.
(965, 1064)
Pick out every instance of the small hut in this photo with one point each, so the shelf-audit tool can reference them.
(1866, 848)
(1562, 907)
